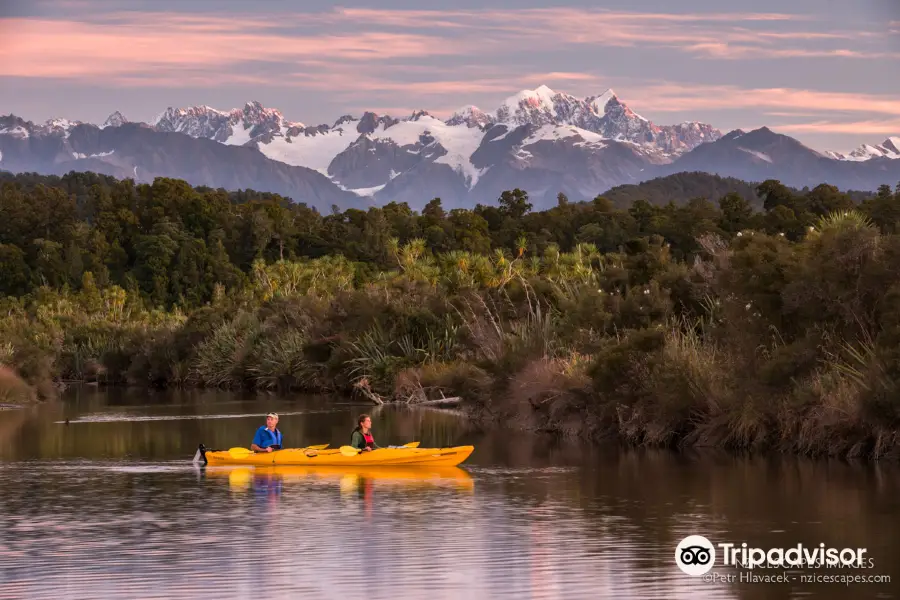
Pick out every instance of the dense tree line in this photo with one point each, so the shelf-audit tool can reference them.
(173, 243)
(684, 186)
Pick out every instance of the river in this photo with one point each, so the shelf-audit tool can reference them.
(109, 505)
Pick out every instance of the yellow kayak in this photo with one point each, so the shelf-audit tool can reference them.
(432, 457)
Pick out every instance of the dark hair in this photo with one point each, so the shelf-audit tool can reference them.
(362, 418)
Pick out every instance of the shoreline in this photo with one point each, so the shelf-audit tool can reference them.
(523, 418)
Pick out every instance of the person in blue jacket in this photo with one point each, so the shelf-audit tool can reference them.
(267, 438)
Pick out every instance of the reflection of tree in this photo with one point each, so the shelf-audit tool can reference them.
(11, 422)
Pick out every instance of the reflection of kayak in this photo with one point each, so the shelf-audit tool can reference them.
(431, 457)
(386, 475)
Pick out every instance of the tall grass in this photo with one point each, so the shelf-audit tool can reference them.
(13, 389)
(222, 359)
(279, 360)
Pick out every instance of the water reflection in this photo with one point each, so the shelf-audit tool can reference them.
(110, 508)
(347, 477)
(263, 485)
(267, 484)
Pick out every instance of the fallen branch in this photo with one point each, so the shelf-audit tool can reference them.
(363, 386)
(449, 401)
(445, 411)
(415, 398)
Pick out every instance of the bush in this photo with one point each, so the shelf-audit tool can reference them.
(13, 389)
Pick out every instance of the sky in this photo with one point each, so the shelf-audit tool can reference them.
(822, 71)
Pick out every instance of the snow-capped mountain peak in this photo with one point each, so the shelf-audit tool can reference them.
(255, 113)
(604, 114)
(470, 116)
(892, 144)
(614, 105)
(19, 128)
(529, 107)
(598, 103)
(370, 121)
(890, 148)
(116, 119)
(61, 123)
(418, 114)
(542, 95)
(172, 114)
(60, 126)
(235, 127)
(544, 105)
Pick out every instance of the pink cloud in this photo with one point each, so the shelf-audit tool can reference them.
(602, 27)
(422, 17)
(542, 78)
(187, 22)
(793, 114)
(721, 50)
(46, 48)
(129, 45)
(679, 97)
(886, 127)
(808, 35)
(197, 78)
(352, 81)
(83, 4)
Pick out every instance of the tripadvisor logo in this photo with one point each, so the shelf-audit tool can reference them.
(695, 555)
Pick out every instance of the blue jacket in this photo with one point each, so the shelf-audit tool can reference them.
(265, 438)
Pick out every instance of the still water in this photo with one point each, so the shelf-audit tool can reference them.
(110, 506)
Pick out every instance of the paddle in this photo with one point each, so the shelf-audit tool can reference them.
(411, 445)
(239, 453)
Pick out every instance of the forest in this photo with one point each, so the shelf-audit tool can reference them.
(757, 323)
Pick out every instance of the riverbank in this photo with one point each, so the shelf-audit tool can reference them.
(681, 326)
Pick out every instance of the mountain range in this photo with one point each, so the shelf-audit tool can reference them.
(539, 140)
